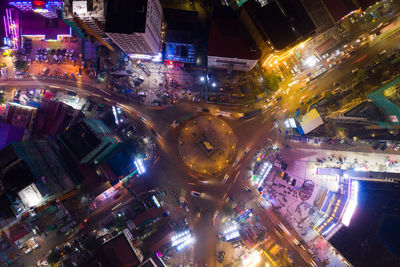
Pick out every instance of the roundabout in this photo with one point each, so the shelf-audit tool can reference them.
(207, 145)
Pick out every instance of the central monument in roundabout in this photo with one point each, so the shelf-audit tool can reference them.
(207, 145)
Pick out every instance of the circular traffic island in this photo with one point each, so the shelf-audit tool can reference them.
(207, 145)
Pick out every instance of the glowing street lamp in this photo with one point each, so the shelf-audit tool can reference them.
(202, 79)
(182, 240)
(213, 84)
(139, 166)
(251, 260)
(231, 232)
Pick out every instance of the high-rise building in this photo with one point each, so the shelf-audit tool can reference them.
(34, 169)
(281, 22)
(135, 25)
(89, 141)
(319, 14)
(226, 29)
(180, 35)
(339, 8)
(86, 17)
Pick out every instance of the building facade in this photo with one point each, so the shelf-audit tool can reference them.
(180, 36)
(87, 18)
(137, 28)
(229, 45)
(133, 25)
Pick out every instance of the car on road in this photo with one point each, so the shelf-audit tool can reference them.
(236, 162)
(261, 205)
(144, 68)
(220, 256)
(154, 131)
(355, 70)
(195, 193)
(383, 52)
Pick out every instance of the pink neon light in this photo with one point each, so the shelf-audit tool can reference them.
(5, 25)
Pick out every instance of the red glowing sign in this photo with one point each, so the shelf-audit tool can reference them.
(38, 4)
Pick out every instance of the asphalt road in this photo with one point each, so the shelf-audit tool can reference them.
(170, 170)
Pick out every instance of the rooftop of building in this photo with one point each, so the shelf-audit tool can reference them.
(229, 38)
(81, 138)
(9, 134)
(92, 9)
(19, 115)
(38, 160)
(181, 25)
(15, 173)
(158, 239)
(32, 24)
(117, 252)
(283, 22)
(51, 118)
(126, 16)
(147, 215)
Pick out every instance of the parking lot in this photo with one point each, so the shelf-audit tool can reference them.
(61, 59)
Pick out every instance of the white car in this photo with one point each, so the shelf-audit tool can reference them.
(383, 52)
(355, 70)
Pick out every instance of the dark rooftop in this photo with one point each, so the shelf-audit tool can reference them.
(15, 173)
(158, 239)
(284, 22)
(229, 38)
(117, 252)
(51, 118)
(80, 139)
(9, 134)
(34, 24)
(126, 16)
(181, 25)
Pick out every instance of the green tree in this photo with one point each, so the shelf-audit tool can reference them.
(90, 242)
(20, 64)
(2, 100)
(361, 75)
(120, 222)
(54, 256)
(271, 80)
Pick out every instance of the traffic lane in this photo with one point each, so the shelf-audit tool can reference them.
(105, 209)
(240, 194)
(269, 219)
(341, 75)
(205, 241)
